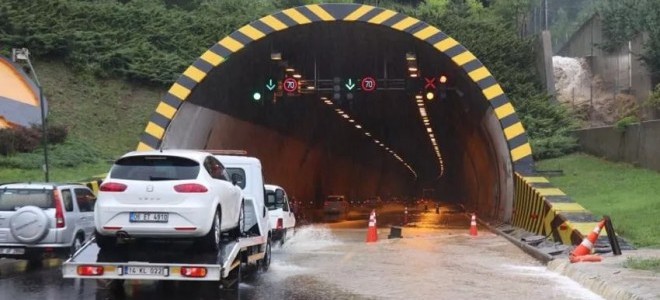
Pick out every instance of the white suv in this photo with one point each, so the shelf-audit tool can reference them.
(39, 217)
(167, 194)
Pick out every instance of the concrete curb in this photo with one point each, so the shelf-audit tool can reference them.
(532, 251)
(608, 289)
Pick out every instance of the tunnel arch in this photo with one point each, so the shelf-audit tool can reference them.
(492, 195)
(512, 129)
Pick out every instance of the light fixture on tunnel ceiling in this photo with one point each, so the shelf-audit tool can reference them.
(411, 56)
(351, 121)
(367, 134)
(345, 116)
(290, 70)
(358, 126)
(412, 69)
(413, 75)
(275, 55)
(297, 76)
(419, 97)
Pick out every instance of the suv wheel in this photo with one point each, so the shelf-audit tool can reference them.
(105, 241)
(211, 241)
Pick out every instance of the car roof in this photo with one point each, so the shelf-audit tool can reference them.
(192, 154)
(272, 187)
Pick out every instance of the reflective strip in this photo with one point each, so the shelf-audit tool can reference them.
(155, 130)
(382, 17)
(521, 151)
(320, 12)
(587, 243)
(274, 23)
(143, 147)
(514, 131)
(166, 110)
(296, 16)
(445, 44)
(359, 13)
(504, 111)
(231, 44)
(426, 32)
(195, 74)
(251, 32)
(479, 74)
(493, 92)
(405, 23)
(212, 58)
(464, 58)
(179, 91)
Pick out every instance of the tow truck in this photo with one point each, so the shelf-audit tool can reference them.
(180, 260)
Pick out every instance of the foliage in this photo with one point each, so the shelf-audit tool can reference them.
(650, 264)
(69, 154)
(625, 122)
(152, 42)
(27, 139)
(653, 101)
(623, 19)
(627, 194)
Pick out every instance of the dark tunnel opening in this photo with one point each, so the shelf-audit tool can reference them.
(315, 144)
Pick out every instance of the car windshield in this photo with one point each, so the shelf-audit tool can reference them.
(154, 168)
(271, 201)
(11, 199)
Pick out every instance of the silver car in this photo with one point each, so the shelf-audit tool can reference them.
(38, 219)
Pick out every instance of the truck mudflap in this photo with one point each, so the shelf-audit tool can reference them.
(156, 260)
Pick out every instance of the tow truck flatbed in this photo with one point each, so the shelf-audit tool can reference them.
(161, 260)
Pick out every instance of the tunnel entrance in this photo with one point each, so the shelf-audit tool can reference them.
(334, 99)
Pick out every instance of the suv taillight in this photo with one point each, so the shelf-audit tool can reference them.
(59, 210)
(190, 188)
(280, 223)
(112, 187)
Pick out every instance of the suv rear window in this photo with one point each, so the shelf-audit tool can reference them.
(10, 199)
(154, 168)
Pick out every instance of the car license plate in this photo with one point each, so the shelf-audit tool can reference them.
(149, 217)
(145, 270)
(12, 251)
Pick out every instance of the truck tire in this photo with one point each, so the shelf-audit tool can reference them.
(211, 241)
(104, 241)
(264, 263)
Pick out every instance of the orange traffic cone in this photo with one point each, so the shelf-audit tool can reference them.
(372, 233)
(473, 225)
(583, 251)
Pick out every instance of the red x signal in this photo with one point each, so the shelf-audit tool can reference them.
(430, 83)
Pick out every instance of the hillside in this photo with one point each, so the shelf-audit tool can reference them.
(104, 117)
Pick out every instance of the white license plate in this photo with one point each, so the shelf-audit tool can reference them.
(149, 217)
(146, 270)
(12, 251)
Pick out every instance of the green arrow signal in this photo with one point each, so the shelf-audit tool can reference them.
(350, 85)
(270, 86)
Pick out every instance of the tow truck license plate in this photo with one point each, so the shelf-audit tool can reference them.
(16, 251)
(144, 270)
(149, 217)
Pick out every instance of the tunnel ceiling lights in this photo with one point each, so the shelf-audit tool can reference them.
(345, 115)
(276, 56)
(427, 124)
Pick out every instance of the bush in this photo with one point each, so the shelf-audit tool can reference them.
(27, 139)
(67, 154)
(625, 122)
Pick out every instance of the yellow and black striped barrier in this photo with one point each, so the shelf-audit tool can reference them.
(194, 75)
(544, 209)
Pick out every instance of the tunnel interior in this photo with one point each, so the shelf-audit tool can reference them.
(318, 141)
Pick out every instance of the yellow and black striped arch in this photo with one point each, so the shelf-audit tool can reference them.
(513, 130)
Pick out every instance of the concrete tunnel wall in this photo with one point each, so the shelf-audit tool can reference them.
(307, 172)
(498, 130)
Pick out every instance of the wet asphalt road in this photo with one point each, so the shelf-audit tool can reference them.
(329, 260)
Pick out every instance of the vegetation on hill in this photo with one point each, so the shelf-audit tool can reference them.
(117, 56)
